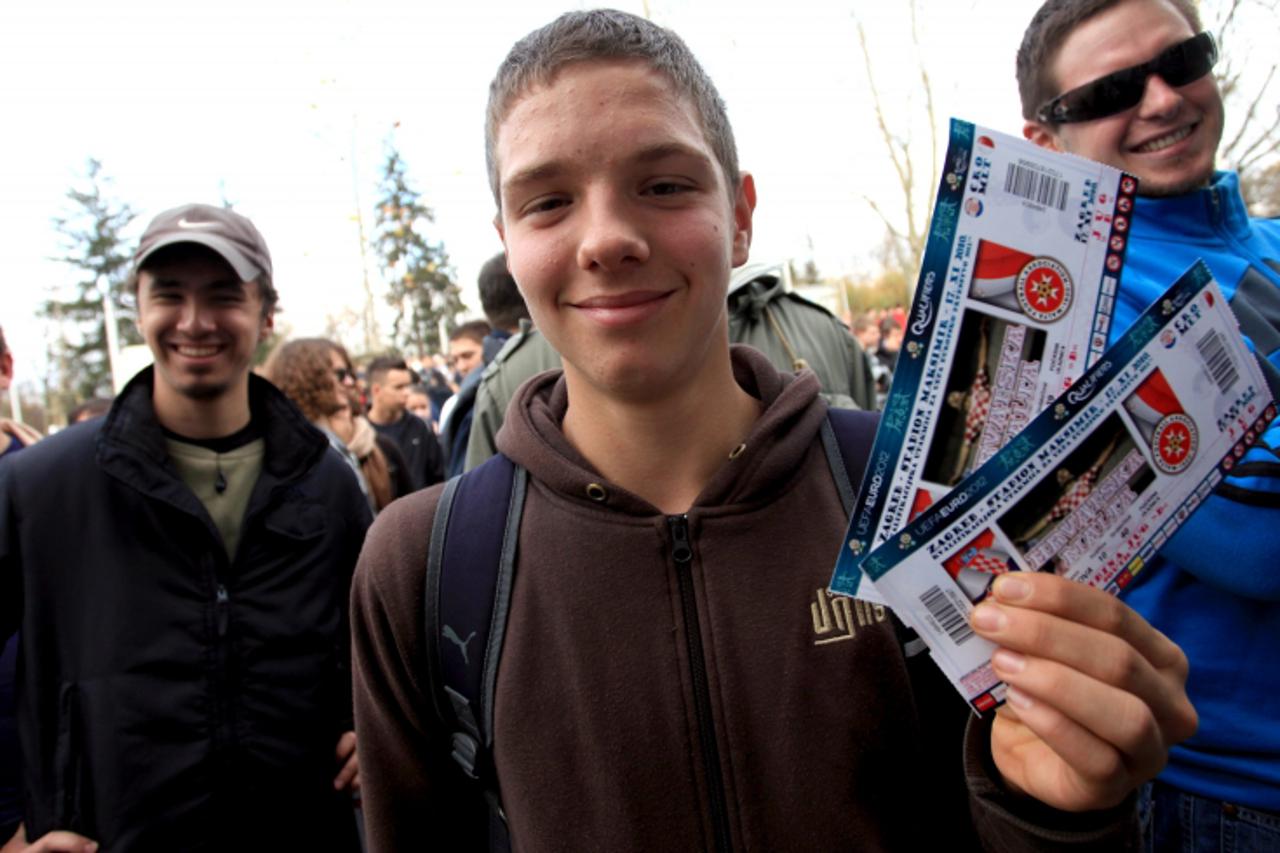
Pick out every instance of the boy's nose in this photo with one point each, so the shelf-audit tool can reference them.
(611, 237)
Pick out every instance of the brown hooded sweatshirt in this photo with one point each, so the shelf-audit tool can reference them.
(639, 697)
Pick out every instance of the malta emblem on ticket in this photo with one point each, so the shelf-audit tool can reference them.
(1013, 302)
(1093, 486)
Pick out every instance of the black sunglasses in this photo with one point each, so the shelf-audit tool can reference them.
(1178, 65)
(343, 374)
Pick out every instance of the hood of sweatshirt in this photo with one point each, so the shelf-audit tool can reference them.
(532, 435)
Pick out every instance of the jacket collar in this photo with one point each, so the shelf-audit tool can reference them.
(1198, 216)
(131, 444)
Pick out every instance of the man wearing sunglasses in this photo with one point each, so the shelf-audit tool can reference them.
(1129, 83)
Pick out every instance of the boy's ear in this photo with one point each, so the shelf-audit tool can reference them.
(497, 226)
(1042, 135)
(744, 205)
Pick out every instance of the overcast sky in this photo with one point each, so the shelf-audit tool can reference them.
(282, 108)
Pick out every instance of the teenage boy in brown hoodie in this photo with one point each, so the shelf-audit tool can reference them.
(667, 681)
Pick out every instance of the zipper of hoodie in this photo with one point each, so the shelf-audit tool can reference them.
(1252, 258)
(682, 554)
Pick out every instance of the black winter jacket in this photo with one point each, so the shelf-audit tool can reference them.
(170, 698)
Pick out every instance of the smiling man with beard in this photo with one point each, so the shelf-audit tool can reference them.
(179, 570)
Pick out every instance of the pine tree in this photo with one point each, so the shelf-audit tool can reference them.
(420, 282)
(94, 247)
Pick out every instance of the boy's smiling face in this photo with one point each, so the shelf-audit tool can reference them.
(619, 227)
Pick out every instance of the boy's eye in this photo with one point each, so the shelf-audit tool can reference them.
(667, 188)
(545, 204)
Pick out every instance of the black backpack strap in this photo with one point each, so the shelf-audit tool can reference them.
(847, 437)
(470, 571)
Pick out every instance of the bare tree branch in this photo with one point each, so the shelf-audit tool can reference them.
(888, 223)
(917, 246)
(885, 135)
(1248, 117)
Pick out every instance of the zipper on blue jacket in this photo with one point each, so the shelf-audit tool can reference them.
(682, 554)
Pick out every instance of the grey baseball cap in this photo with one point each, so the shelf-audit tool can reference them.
(224, 231)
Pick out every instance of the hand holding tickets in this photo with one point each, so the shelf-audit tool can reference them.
(1096, 696)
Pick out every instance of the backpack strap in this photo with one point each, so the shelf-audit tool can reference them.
(847, 436)
(470, 571)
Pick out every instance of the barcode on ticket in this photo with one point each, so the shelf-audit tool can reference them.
(1036, 186)
(947, 615)
(1217, 360)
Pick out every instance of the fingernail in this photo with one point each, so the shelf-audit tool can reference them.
(1018, 699)
(1011, 588)
(1007, 662)
(989, 618)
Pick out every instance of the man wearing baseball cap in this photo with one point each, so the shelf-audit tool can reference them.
(179, 571)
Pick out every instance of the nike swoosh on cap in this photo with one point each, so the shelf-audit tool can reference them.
(186, 223)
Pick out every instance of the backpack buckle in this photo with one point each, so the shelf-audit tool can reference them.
(465, 750)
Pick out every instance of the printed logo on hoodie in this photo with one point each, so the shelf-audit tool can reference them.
(837, 617)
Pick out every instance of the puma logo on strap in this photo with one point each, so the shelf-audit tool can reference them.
(452, 636)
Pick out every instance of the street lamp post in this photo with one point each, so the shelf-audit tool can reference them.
(113, 343)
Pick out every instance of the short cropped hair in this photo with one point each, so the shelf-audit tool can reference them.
(474, 330)
(179, 252)
(382, 365)
(1052, 24)
(499, 296)
(302, 370)
(607, 35)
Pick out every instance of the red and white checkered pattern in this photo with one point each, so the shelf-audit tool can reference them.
(1076, 494)
(989, 561)
(979, 406)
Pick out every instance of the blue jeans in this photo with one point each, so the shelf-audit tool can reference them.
(1175, 821)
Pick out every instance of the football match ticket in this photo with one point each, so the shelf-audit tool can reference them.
(1093, 486)
(1013, 302)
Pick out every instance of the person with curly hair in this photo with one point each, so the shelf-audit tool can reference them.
(316, 375)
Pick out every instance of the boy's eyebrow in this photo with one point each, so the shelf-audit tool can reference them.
(649, 154)
(533, 174)
(663, 150)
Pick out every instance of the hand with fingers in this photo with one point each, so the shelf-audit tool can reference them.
(349, 775)
(1096, 695)
(50, 842)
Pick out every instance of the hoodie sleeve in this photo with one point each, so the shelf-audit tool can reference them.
(414, 796)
